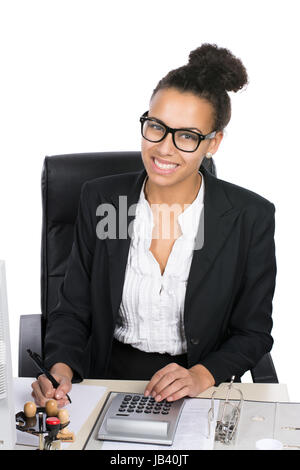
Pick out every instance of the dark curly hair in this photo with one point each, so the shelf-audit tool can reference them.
(211, 72)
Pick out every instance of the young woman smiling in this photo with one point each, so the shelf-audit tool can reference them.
(184, 311)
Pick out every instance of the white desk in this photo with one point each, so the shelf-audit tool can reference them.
(256, 392)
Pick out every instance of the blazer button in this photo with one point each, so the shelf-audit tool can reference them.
(194, 341)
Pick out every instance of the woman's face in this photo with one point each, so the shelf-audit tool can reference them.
(178, 110)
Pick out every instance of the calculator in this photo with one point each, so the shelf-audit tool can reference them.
(132, 417)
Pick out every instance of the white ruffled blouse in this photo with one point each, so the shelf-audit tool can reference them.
(150, 316)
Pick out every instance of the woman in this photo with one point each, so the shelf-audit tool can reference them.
(184, 311)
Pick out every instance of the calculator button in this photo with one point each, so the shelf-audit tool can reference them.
(131, 410)
(165, 412)
(138, 411)
(136, 398)
(147, 411)
(127, 398)
(156, 412)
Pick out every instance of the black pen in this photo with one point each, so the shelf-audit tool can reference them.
(38, 362)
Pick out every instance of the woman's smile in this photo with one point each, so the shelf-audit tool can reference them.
(163, 167)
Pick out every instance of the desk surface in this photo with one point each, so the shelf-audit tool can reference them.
(256, 392)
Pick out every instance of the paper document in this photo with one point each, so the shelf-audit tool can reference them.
(191, 434)
(84, 400)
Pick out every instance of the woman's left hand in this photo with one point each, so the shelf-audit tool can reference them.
(173, 382)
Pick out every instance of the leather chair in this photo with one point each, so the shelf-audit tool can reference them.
(62, 178)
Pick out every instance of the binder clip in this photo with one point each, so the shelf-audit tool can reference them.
(226, 426)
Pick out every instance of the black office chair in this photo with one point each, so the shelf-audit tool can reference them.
(62, 179)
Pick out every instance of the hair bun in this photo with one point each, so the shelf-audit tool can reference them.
(218, 67)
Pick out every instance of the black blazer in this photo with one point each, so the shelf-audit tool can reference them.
(228, 303)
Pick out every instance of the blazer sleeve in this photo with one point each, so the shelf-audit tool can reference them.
(68, 324)
(250, 323)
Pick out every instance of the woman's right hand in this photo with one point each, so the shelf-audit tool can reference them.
(43, 389)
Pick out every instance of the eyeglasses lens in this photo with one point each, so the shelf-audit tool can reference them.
(153, 131)
(186, 140)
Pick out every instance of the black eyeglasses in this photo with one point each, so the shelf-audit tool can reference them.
(184, 139)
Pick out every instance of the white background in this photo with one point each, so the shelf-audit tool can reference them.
(69, 68)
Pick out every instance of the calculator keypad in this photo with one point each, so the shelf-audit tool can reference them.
(132, 417)
(141, 404)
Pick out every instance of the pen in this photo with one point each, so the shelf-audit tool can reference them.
(290, 428)
(38, 362)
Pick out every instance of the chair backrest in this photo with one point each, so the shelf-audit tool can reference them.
(62, 179)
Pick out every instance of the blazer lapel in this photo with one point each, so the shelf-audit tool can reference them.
(219, 218)
(118, 248)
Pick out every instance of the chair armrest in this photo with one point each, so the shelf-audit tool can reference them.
(30, 337)
(264, 371)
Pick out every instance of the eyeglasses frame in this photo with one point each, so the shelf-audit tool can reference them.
(171, 130)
